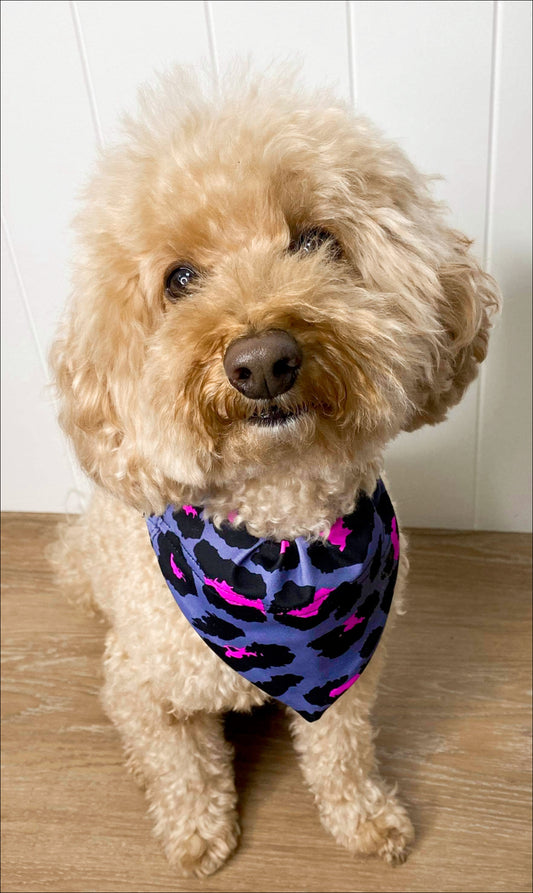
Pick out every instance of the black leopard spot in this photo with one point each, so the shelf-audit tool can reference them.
(371, 643)
(321, 695)
(270, 557)
(385, 509)
(292, 596)
(171, 559)
(386, 600)
(254, 656)
(239, 578)
(388, 565)
(340, 601)
(369, 605)
(327, 557)
(361, 523)
(346, 597)
(376, 562)
(278, 685)
(212, 625)
(189, 521)
(245, 613)
(236, 537)
(339, 640)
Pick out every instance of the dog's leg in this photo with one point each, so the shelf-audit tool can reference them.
(338, 762)
(67, 555)
(185, 764)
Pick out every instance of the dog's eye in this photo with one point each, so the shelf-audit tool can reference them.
(312, 239)
(178, 280)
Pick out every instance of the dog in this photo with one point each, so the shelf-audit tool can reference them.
(265, 294)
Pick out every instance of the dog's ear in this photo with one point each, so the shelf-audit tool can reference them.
(95, 361)
(465, 301)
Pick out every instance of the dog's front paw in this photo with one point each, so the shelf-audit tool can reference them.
(201, 850)
(388, 833)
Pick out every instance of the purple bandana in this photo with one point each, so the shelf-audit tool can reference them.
(299, 619)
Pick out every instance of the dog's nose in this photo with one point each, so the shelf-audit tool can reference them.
(263, 366)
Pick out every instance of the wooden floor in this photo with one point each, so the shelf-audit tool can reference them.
(455, 731)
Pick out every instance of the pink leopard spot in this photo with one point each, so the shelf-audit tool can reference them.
(190, 510)
(312, 609)
(175, 569)
(338, 691)
(238, 652)
(284, 545)
(338, 535)
(234, 598)
(351, 622)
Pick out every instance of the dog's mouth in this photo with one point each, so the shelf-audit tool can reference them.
(274, 415)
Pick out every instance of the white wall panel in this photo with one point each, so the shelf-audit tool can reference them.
(422, 70)
(36, 472)
(423, 74)
(312, 33)
(504, 467)
(417, 77)
(47, 145)
(126, 42)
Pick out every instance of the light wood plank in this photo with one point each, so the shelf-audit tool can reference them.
(454, 718)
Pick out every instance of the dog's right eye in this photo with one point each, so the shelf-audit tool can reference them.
(178, 280)
(312, 239)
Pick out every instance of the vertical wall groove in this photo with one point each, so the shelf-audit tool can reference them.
(78, 496)
(350, 34)
(210, 25)
(78, 31)
(487, 235)
(24, 297)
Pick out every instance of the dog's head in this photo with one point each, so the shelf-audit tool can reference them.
(262, 281)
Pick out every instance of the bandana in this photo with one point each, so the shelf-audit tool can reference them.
(299, 619)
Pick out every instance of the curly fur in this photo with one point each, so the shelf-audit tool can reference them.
(392, 329)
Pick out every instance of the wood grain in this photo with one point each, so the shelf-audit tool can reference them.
(455, 731)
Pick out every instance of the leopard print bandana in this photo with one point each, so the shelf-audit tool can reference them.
(299, 619)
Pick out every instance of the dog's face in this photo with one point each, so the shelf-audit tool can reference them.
(262, 282)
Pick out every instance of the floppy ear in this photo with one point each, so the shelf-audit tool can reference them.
(468, 298)
(95, 360)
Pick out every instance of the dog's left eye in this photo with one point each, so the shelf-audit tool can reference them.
(178, 280)
(311, 240)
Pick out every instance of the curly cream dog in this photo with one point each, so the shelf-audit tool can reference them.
(228, 214)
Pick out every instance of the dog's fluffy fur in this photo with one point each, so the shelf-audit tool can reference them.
(392, 325)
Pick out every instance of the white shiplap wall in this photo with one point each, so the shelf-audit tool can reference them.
(450, 80)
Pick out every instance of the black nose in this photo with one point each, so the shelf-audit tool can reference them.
(263, 366)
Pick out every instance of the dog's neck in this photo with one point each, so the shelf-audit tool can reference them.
(285, 505)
